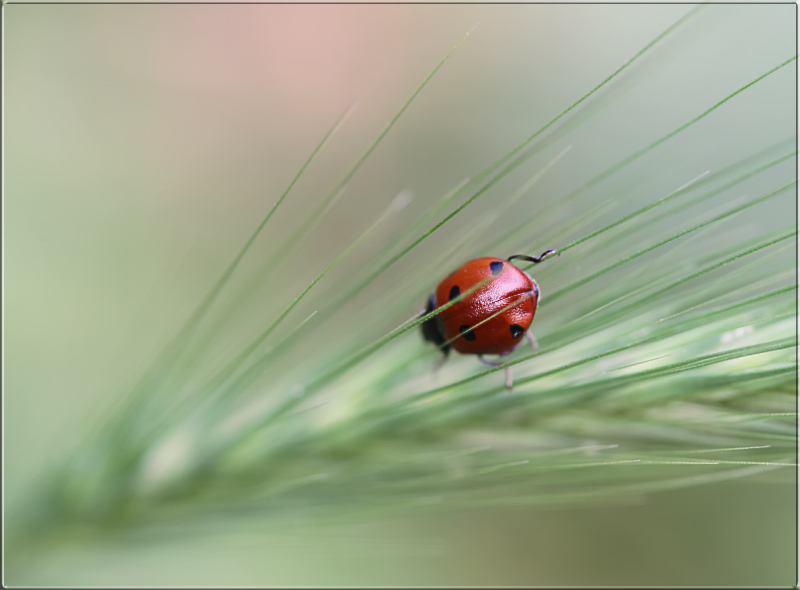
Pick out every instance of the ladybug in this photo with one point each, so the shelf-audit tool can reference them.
(507, 293)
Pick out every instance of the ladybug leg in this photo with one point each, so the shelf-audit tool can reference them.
(532, 340)
(487, 362)
(534, 259)
(509, 375)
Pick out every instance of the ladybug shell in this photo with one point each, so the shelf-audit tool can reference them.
(503, 332)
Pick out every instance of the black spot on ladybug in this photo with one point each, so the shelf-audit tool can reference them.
(516, 330)
(467, 333)
(496, 266)
(455, 291)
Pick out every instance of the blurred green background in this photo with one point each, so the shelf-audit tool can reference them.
(144, 142)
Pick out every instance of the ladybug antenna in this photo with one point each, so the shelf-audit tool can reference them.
(533, 259)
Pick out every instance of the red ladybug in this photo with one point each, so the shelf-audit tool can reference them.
(508, 292)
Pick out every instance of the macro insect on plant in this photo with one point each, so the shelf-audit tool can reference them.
(493, 304)
(290, 393)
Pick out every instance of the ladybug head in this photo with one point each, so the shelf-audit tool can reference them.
(432, 330)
